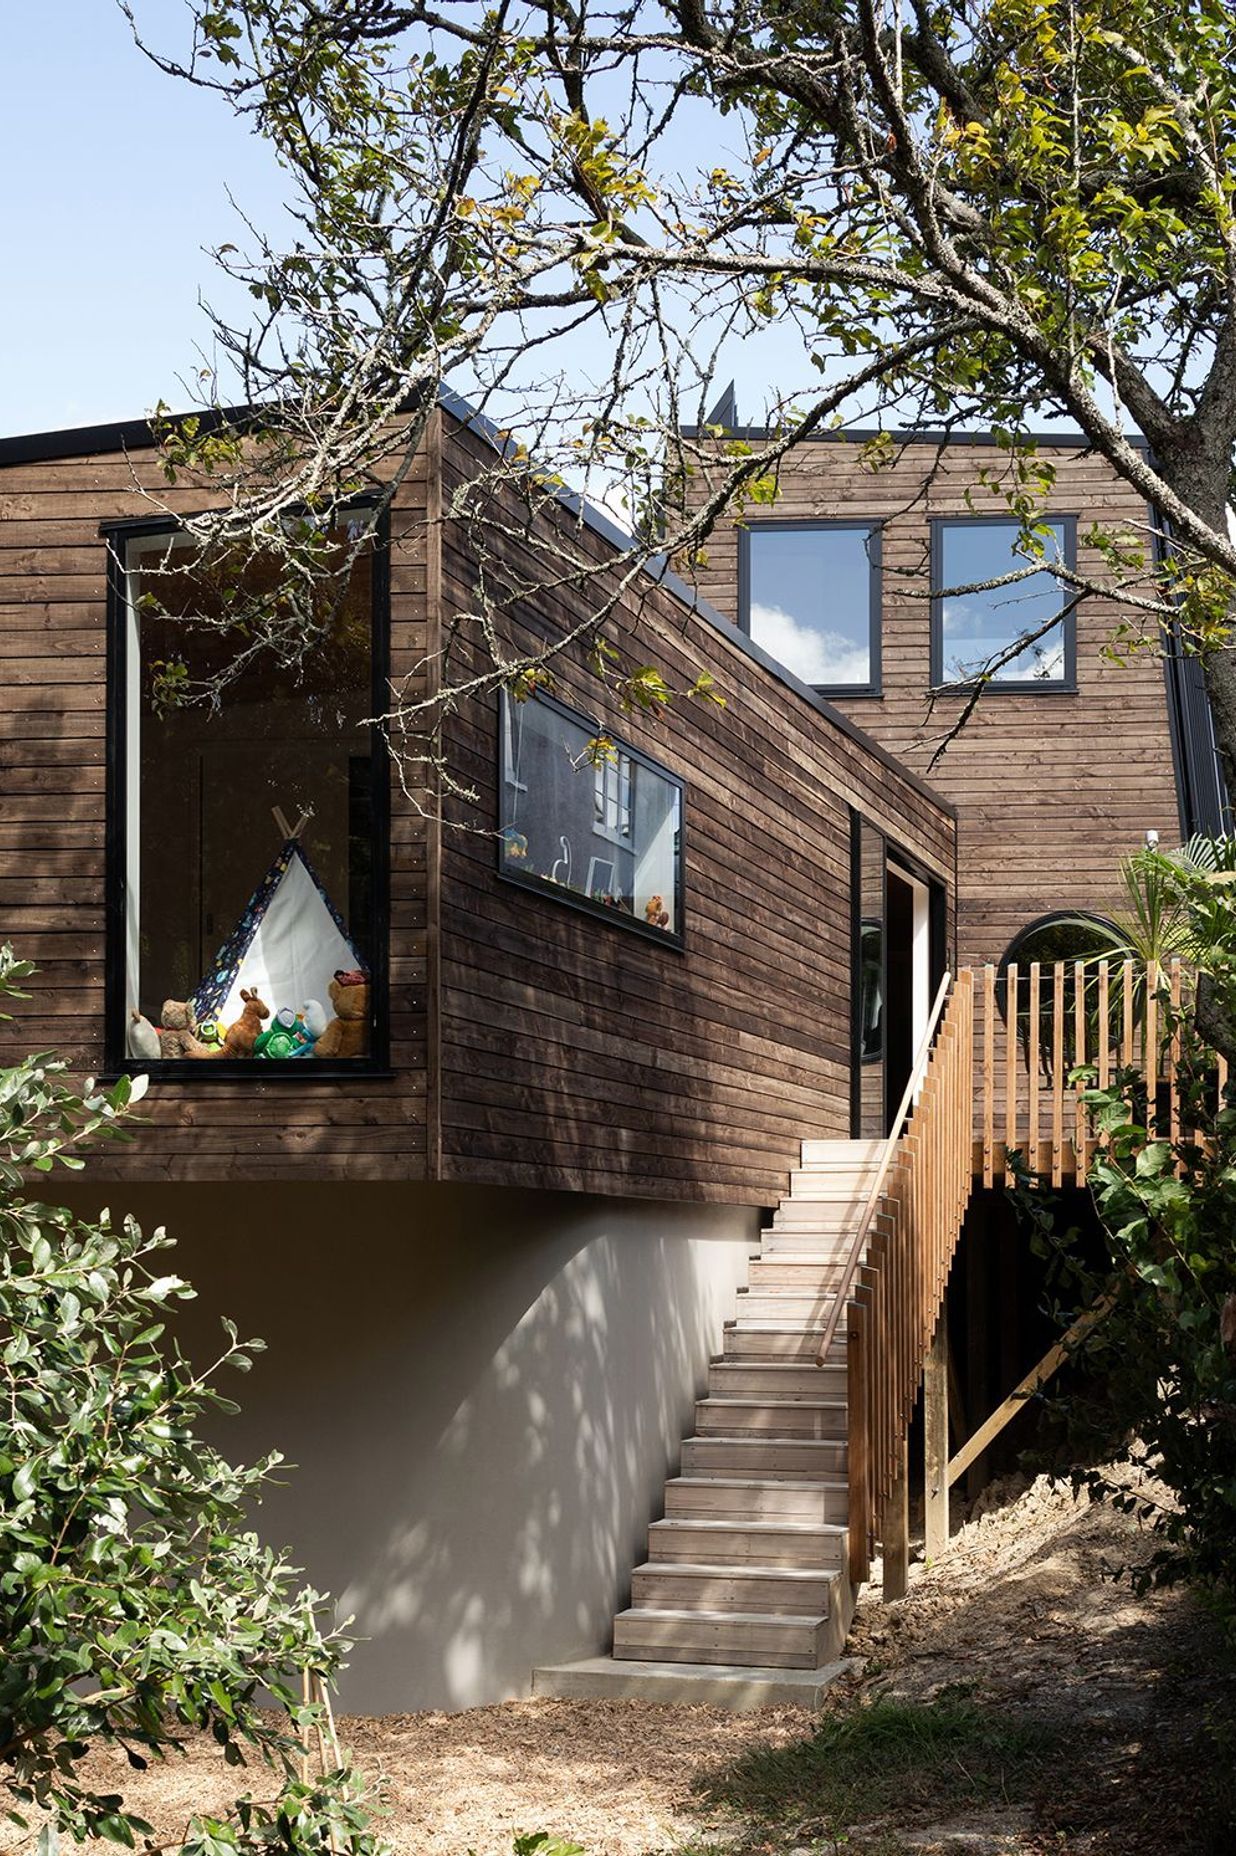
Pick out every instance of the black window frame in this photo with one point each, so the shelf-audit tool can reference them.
(117, 537)
(1015, 686)
(874, 531)
(557, 893)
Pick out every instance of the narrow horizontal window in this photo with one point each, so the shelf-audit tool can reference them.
(589, 821)
(975, 633)
(246, 791)
(810, 597)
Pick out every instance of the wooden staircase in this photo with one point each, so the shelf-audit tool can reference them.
(748, 1567)
(797, 1466)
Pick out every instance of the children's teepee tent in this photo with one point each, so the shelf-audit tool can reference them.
(287, 946)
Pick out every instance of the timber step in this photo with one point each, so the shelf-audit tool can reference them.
(759, 1543)
(779, 1343)
(771, 1641)
(783, 1307)
(763, 1457)
(729, 1417)
(805, 1240)
(776, 1379)
(687, 1585)
(800, 1273)
(849, 1153)
(754, 1498)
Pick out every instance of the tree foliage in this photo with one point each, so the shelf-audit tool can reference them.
(994, 211)
(136, 1603)
(1161, 1364)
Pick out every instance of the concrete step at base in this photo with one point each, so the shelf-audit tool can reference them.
(748, 1640)
(719, 1685)
(737, 1498)
(789, 1379)
(764, 1457)
(788, 1343)
(671, 1585)
(753, 1543)
(730, 1417)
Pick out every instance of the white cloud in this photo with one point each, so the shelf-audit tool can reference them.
(812, 653)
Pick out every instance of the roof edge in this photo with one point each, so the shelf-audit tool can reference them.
(136, 435)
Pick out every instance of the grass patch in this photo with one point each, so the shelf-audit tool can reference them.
(888, 1757)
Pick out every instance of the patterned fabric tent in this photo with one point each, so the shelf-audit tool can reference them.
(287, 946)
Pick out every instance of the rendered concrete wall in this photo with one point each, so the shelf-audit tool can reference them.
(483, 1390)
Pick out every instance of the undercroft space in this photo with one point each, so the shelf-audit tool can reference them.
(1017, 1704)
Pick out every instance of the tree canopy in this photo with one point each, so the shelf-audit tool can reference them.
(995, 212)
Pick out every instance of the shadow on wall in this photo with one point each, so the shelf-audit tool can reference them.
(482, 1390)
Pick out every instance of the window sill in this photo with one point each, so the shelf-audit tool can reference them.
(995, 688)
(257, 1070)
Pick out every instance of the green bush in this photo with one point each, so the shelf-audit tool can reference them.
(136, 1603)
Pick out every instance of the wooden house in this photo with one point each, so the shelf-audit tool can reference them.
(623, 1036)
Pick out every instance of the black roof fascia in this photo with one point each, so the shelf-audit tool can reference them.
(136, 434)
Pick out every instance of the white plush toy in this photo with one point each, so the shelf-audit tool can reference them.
(313, 1017)
(143, 1039)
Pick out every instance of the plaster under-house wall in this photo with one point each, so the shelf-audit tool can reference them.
(482, 1391)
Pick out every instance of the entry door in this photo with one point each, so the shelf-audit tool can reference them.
(907, 979)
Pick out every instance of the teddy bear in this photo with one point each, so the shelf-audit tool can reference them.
(178, 1032)
(655, 912)
(347, 1034)
(243, 1034)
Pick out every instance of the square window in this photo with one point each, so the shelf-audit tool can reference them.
(970, 629)
(810, 597)
(248, 822)
(589, 821)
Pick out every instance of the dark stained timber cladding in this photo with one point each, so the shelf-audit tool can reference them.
(1052, 787)
(53, 824)
(576, 1055)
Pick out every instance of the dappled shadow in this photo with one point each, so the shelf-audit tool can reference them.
(483, 1390)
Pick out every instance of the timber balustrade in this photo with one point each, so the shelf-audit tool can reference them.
(1034, 1026)
(993, 1074)
(899, 1265)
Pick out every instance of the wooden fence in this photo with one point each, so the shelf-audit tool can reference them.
(911, 1236)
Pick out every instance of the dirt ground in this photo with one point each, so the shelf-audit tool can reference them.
(1021, 1617)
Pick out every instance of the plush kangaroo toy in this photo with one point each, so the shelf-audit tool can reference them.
(243, 1035)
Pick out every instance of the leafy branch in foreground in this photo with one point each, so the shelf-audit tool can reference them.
(136, 1604)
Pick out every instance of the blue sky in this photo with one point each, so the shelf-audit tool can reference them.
(117, 184)
(115, 178)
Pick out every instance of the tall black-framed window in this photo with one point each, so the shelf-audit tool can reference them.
(809, 595)
(248, 837)
(969, 629)
(588, 820)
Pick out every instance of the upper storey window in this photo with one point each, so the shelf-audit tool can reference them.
(972, 631)
(810, 596)
(247, 822)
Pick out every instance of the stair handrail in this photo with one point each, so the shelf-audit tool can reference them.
(918, 1072)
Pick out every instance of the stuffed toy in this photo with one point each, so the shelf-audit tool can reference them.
(656, 913)
(143, 1039)
(347, 1034)
(313, 1017)
(211, 1034)
(244, 1034)
(178, 1032)
(287, 1037)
